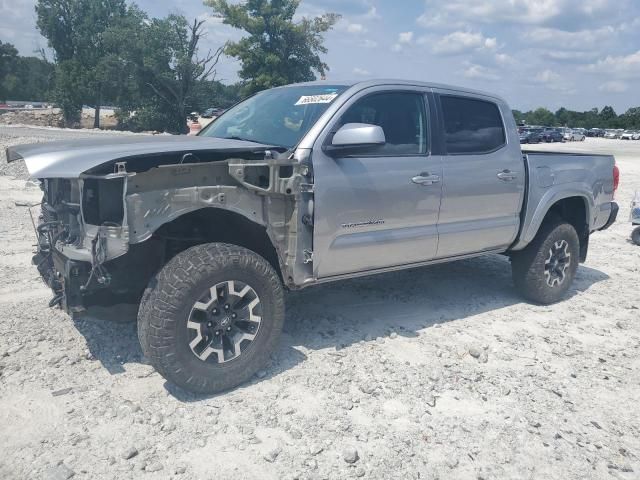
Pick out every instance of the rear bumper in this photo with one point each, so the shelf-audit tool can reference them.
(612, 216)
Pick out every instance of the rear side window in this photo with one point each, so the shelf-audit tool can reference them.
(471, 126)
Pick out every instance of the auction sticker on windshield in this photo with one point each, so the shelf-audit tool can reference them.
(310, 99)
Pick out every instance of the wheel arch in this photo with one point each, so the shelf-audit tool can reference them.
(216, 225)
(575, 207)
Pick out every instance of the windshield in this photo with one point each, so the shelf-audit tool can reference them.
(279, 117)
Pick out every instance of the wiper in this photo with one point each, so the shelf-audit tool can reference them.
(234, 137)
(241, 139)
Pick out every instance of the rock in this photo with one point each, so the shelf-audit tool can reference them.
(59, 472)
(315, 449)
(484, 357)
(368, 388)
(261, 374)
(393, 335)
(180, 469)
(129, 453)
(350, 454)
(62, 391)
(15, 349)
(272, 454)
(153, 467)
(155, 419)
(475, 352)
(360, 472)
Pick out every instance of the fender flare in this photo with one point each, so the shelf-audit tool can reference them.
(533, 221)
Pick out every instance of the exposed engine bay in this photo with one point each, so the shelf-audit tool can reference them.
(102, 236)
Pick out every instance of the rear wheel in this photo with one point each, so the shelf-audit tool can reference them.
(635, 236)
(211, 317)
(545, 269)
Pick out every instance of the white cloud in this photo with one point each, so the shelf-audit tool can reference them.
(361, 72)
(503, 59)
(368, 43)
(356, 28)
(372, 14)
(553, 81)
(613, 86)
(462, 42)
(405, 38)
(479, 72)
(533, 12)
(625, 66)
(572, 56)
(547, 76)
(578, 40)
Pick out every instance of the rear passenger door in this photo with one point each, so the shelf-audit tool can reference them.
(483, 175)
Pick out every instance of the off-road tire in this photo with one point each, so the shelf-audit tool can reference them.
(528, 265)
(170, 296)
(635, 236)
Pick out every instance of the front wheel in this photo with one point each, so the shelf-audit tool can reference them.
(211, 317)
(545, 269)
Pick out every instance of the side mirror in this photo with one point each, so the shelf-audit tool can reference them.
(353, 135)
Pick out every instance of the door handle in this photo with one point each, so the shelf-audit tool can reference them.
(507, 176)
(425, 178)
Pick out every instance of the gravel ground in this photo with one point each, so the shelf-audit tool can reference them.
(440, 372)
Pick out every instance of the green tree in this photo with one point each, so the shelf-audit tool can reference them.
(31, 78)
(541, 116)
(562, 116)
(608, 117)
(76, 30)
(630, 120)
(277, 50)
(169, 74)
(8, 57)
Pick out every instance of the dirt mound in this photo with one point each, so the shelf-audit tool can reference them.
(39, 118)
(53, 118)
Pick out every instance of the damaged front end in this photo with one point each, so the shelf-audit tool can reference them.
(82, 226)
(104, 232)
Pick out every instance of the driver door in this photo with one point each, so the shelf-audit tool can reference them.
(372, 211)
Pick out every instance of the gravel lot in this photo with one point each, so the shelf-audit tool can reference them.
(440, 372)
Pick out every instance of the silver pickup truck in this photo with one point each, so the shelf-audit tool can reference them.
(297, 186)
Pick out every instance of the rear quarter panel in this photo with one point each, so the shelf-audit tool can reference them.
(555, 176)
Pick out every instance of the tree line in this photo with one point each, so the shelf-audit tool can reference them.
(155, 70)
(594, 118)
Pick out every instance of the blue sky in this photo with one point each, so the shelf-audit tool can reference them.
(552, 53)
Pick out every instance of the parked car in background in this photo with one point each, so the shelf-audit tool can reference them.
(213, 112)
(530, 136)
(611, 134)
(595, 132)
(574, 136)
(551, 135)
(636, 136)
(627, 135)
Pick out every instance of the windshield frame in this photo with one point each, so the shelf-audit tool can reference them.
(338, 88)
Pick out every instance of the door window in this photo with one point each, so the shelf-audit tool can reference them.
(471, 126)
(401, 115)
